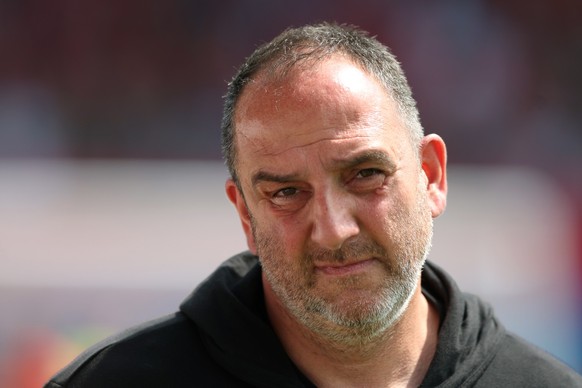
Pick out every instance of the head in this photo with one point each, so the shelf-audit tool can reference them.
(332, 179)
(308, 45)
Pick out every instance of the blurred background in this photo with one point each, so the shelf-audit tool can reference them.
(111, 184)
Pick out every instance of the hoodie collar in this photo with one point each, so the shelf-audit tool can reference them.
(229, 311)
(469, 334)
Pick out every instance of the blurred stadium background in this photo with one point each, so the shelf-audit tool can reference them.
(111, 185)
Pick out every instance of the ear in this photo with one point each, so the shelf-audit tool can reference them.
(433, 153)
(235, 196)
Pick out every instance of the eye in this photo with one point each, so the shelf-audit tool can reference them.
(368, 172)
(289, 199)
(286, 192)
(367, 179)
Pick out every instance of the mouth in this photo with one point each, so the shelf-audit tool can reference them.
(340, 269)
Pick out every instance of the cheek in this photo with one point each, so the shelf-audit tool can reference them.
(286, 235)
(293, 235)
(377, 212)
(387, 218)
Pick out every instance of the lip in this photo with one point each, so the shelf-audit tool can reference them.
(336, 269)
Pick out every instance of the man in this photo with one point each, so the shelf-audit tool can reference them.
(336, 188)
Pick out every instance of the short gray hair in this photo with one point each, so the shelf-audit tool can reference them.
(316, 42)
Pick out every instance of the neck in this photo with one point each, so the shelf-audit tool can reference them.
(399, 356)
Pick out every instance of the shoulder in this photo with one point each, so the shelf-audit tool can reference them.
(518, 363)
(163, 352)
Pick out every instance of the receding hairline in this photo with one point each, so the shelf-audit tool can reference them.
(268, 76)
(298, 47)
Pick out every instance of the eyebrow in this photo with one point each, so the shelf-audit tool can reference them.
(371, 156)
(264, 176)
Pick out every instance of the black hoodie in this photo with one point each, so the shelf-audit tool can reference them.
(221, 337)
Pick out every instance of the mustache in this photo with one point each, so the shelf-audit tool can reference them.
(360, 248)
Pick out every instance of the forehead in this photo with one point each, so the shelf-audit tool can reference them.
(332, 100)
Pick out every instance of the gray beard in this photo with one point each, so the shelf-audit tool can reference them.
(339, 326)
(363, 322)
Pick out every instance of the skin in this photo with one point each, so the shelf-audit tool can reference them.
(338, 204)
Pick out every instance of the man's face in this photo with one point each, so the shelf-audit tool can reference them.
(335, 198)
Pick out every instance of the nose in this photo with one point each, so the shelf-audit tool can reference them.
(333, 219)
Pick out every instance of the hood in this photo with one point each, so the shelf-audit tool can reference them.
(469, 334)
(228, 308)
(229, 311)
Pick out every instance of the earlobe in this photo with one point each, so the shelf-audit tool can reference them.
(433, 153)
(235, 196)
